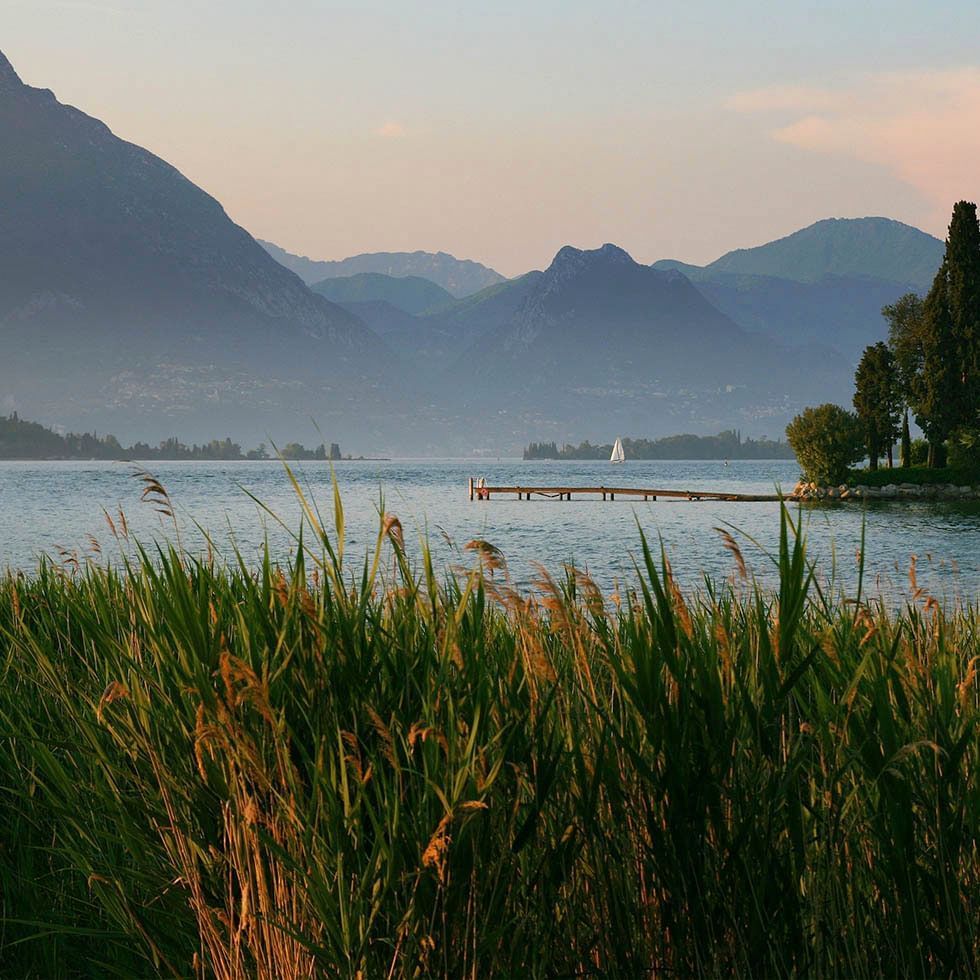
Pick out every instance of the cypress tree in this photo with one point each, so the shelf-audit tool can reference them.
(905, 458)
(963, 297)
(937, 410)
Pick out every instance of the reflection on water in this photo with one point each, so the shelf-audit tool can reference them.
(46, 506)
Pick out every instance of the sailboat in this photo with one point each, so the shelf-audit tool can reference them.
(618, 455)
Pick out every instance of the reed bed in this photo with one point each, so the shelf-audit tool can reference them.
(371, 771)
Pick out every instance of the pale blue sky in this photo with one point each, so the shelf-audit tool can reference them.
(500, 131)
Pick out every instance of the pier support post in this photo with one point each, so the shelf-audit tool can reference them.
(471, 488)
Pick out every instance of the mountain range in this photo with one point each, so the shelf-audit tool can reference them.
(130, 302)
(460, 277)
(598, 342)
(413, 294)
(849, 248)
(825, 284)
(128, 298)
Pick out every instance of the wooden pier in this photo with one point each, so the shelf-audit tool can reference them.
(478, 492)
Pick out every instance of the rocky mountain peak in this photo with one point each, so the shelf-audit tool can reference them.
(9, 79)
(571, 261)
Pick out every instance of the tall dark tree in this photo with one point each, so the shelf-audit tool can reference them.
(878, 401)
(963, 297)
(937, 405)
(905, 454)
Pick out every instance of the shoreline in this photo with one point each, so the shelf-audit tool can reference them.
(807, 492)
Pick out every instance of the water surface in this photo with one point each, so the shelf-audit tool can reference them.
(52, 506)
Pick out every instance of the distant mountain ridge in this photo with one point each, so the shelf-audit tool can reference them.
(824, 284)
(598, 339)
(130, 303)
(460, 277)
(412, 294)
(129, 298)
(872, 248)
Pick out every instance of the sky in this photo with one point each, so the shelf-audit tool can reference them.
(502, 131)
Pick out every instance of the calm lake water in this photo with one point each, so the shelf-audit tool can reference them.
(45, 507)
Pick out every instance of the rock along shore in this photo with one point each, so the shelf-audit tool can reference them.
(891, 491)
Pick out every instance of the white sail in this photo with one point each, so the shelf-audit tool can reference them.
(618, 455)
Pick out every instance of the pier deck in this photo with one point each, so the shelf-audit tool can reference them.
(611, 493)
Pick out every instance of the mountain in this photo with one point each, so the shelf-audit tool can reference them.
(129, 299)
(412, 294)
(598, 343)
(853, 248)
(131, 303)
(825, 284)
(460, 277)
(838, 312)
(430, 342)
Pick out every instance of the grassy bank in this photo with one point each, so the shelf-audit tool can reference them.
(210, 771)
(917, 475)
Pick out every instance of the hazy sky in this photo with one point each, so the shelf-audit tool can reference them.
(502, 130)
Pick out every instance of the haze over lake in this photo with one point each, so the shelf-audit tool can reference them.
(53, 505)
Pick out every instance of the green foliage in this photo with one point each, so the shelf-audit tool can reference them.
(936, 408)
(919, 452)
(905, 456)
(936, 343)
(942, 358)
(541, 450)
(963, 296)
(964, 449)
(296, 450)
(315, 771)
(827, 441)
(877, 400)
(905, 327)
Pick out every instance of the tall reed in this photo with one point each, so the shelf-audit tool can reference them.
(365, 771)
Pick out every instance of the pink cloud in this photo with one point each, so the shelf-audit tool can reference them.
(924, 127)
(390, 130)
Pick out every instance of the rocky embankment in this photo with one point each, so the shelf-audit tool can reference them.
(891, 491)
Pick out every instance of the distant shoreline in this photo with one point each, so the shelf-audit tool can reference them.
(726, 445)
(184, 459)
(471, 460)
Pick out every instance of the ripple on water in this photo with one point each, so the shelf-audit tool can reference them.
(44, 506)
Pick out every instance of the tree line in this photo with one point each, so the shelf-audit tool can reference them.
(726, 445)
(929, 368)
(22, 439)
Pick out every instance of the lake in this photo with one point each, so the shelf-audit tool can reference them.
(45, 507)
